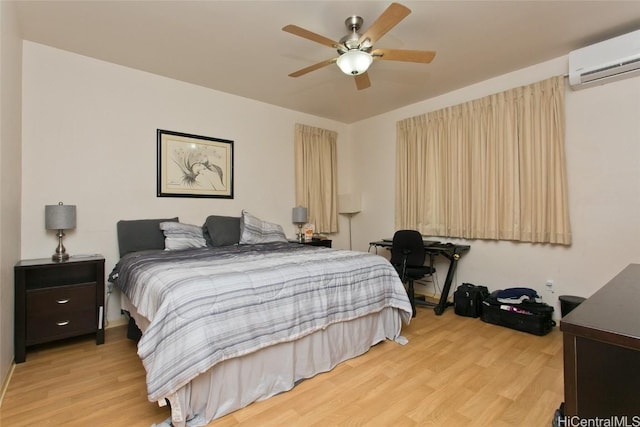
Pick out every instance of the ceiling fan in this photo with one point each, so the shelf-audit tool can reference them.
(355, 50)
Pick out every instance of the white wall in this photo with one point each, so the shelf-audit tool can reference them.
(603, 162)
(89, 139)
(10, 123)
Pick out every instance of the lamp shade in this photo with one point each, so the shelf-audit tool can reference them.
(354, 62)
(299, 215)
(59, 217)
(349, 203)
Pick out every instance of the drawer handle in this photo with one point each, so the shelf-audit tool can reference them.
(63, 323)
(63, 301)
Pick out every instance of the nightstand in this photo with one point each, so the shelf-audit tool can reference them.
(315, 242)
(57, 300)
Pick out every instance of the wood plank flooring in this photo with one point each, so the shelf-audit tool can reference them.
(455, 371)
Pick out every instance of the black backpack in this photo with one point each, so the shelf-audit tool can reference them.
(467, 299)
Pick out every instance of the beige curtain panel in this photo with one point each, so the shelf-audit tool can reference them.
(316, 176)
(493, 168)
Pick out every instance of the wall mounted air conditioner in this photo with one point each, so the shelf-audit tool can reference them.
(604, 62)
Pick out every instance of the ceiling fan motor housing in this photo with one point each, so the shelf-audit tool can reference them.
(350, 41)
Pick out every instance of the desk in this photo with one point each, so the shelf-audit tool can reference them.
(601, 343)
(450, 251)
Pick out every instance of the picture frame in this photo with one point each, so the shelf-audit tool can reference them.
(194, 165)
(309, 230)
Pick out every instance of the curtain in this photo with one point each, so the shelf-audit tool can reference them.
(492, 168)
(316, 176)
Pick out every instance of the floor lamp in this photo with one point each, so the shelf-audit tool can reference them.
(349, 205)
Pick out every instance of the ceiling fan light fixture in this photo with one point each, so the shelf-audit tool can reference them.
(354, 62)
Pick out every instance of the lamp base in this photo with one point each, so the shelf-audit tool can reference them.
(60, 257)
(61, 253)
(300, 234)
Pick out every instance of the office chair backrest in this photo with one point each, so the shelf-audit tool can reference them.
(408, 243)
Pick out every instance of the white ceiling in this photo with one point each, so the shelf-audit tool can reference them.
(238, 46)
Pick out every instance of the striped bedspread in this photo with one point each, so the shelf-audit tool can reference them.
(212, 304)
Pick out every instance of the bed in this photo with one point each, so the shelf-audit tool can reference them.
(240, 318)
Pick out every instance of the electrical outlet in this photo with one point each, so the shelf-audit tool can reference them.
(549, 285)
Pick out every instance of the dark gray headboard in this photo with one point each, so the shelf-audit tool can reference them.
(140, 235)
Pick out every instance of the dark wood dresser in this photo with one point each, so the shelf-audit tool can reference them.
(56, 300)
(601, 339)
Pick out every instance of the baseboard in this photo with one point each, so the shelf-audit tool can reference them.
(5, 383)
(428, 294)
(115, 323)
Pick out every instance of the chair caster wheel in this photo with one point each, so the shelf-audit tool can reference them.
(438, 310)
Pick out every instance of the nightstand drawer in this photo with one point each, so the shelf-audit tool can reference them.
(60, 312)
(42, 329)
(61, 299)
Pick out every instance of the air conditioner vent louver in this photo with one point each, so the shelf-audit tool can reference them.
(605, 62)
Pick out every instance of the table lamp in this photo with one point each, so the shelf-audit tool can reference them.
(60, 217)
(299, 217)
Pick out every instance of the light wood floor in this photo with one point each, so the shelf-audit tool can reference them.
(455, 371)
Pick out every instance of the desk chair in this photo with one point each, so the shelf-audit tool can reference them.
(408, 257)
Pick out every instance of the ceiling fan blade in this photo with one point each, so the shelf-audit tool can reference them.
(389, 19)
(313, 67)
(362, 81)
(422, 56)
(301, 32)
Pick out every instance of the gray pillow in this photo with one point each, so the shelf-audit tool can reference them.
(254, 230)
(221, 230)
(182, 236)
(140, 235)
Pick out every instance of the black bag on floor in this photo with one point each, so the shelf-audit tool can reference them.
(467, 299)
(527, 316)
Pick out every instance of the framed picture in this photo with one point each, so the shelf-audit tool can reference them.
(194, 166)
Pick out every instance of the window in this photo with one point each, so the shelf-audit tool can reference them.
(493, 168)
(316, 176)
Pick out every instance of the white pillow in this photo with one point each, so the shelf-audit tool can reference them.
(254, 230)
(182, 236)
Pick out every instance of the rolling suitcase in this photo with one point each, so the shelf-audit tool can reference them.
(528, 316)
